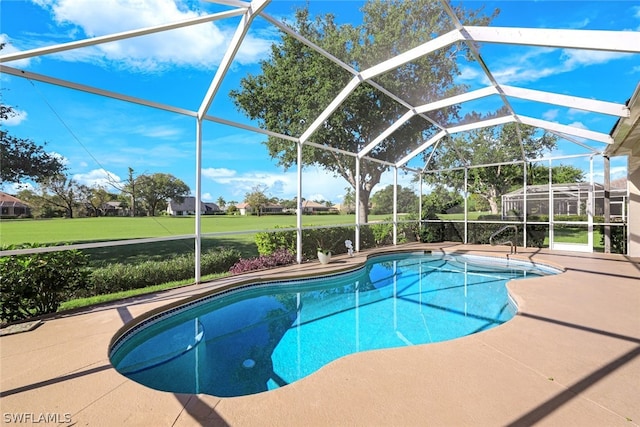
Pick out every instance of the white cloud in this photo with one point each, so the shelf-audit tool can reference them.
(200, 46)
(217, 174)
(551, 115)
(575, 58)
(157, 131)
(60, 157)
(614, 173)
(15, 187)
(579, 125)
(471, 74)
(538, 63)
(16, 118)
(316, 183)
(10, 48)
(580, 24)
(97, 178)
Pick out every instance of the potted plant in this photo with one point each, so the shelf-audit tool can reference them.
(324, 252)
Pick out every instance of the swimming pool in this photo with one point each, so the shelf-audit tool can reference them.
(263, 336)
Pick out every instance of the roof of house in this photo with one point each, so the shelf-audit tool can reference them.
(311, 204)
(9, 200)
(570, 187)
(189, 205)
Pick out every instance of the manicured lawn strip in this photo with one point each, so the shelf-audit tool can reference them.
(83, 230)
(79, 230)
(100, 299)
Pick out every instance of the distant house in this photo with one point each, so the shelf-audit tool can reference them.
(113, 208)
(188, 207)
(272, 209)
(11, 206)
(244, 208)
(311, 207)
(568, 199)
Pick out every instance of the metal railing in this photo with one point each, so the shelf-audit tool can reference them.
(512, 243)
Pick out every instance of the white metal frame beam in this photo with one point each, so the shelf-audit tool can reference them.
(348, 89)
(569, 130)
(585, 104)
(611, 41)
(133, 100)
(458, 99)
(417, 52)
(93, 90)
(388, 131)
(437, 137)
(227, 59)
(24, 54)
(481, 124)
(235, 3)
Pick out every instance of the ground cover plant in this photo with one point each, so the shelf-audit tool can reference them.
(36, 284)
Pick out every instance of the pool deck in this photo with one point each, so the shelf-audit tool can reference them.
(570, 357)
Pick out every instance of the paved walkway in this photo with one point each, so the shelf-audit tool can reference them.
(570, 357)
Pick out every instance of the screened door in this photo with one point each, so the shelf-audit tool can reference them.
(571, 217)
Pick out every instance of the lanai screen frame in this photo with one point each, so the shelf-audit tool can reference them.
(611, 41)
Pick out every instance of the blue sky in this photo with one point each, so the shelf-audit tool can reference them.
(96, 135)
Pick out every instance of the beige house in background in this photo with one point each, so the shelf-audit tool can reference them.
(11, 206)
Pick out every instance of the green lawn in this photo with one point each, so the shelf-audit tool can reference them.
(117, 228)
(83, 230)
(80, 230)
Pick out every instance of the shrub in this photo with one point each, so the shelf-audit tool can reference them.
(277, 258)
(330, 238)
(121, 277)
(36, 284)
(383, 232)
(618, 237)
(269, 242)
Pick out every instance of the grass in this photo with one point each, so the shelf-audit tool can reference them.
(101, 299)
(85, 230)
(117, 228)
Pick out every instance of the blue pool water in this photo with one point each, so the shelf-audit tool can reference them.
(265, 336)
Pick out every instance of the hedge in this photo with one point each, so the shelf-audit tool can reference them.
(36, 284)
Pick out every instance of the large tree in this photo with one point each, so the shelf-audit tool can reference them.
(158, 188)
(561, 174)
(95, 198)
(22, 158)
(257, 198)
(491, 145)
(63, 192)
(382, 201)
(129, 189)
(297, 84)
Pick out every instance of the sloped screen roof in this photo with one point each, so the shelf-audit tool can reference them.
(487, 90)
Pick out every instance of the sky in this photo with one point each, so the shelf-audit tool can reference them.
(99, 137)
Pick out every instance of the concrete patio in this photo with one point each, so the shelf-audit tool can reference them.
(570, 357)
